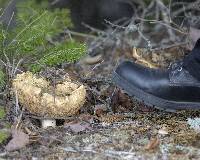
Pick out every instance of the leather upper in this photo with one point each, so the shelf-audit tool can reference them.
(173, 84)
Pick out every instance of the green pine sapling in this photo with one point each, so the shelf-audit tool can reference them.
(28, 41)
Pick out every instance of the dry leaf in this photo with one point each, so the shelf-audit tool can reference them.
(153, 143)
(18, 141)
(100, 110)
(92, 59)
(77, 126)
(109, 119)
(142, 60)
(87, 118)
(121, 102)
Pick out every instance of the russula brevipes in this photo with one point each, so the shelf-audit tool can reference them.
(39, 97)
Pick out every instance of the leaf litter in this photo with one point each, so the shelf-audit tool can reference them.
(18, 141)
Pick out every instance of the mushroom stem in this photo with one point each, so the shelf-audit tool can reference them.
(48, 123)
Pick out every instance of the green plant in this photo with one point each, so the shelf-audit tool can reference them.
(28, 42)
(2, 3)
(2, 113)
(3, 136)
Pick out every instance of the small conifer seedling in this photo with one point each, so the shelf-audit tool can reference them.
(27, 44)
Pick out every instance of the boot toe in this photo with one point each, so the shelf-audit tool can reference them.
(141, 77)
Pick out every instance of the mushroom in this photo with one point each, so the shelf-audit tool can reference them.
(40, 98)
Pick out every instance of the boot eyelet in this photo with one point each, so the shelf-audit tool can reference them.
(180, 69)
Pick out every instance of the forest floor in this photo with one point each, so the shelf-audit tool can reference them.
(111, 125)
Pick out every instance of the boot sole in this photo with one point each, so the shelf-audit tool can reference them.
(151, 100)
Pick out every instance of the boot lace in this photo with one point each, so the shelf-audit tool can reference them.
(176, 67)
(179, 74)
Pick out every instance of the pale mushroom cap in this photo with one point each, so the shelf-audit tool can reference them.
(34, 94)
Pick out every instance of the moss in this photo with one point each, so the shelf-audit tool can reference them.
(3, 136)
(2, 113)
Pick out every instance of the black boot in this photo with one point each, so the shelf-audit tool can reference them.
(171, 89)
